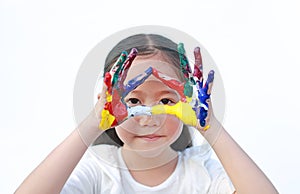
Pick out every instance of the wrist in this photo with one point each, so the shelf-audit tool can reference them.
(89, 128)
(213, 132)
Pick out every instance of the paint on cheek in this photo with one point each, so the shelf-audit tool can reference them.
(181, 110)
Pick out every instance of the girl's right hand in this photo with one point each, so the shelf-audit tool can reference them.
(111, 108)
(103, 115)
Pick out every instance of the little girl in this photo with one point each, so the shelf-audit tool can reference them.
(152, 149)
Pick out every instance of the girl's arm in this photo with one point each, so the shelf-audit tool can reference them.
(243, 172)
(51, 175)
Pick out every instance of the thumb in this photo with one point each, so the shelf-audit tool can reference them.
(99, 106)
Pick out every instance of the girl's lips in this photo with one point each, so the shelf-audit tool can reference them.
(151, 137)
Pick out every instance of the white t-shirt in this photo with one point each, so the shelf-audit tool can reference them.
(105, 172)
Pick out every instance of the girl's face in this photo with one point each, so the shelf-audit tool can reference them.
(156, 132)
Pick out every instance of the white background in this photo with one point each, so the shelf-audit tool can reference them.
(255, 45)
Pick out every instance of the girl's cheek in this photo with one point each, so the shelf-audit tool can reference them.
(173, 125)
(123, 134)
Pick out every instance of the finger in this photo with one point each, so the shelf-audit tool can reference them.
(184, 64)
(101, 101)
(209, 82)
(198, 68)
(117, 67)
(107, 82)
(136, 81)
(125, 67)
(202, 117)
(104, 109)
(171, 83)
(204, 97)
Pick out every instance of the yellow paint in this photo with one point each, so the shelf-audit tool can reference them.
(182, 110)
(206, 127)
(106, 120)
(108, 97)
(188, 99)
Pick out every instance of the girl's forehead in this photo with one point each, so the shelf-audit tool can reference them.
(140, 66)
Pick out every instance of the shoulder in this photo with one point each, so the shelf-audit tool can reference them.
(194, 160)
(201, 152)
(94, 172)
(105, 158)
(198, 163)
(103, 152)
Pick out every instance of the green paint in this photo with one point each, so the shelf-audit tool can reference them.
(119, 64)
(188, 89)
(184, 64)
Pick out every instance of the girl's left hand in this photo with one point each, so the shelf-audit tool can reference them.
(194, 107)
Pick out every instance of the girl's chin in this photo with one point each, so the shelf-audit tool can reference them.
(149, 152)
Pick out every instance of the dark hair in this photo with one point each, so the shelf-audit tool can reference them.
(146, 44)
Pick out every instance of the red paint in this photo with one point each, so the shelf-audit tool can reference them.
(119, 110)
(108, 107)
(127, 65)
(115, 123)
(198, 64)
(197, 72)
(107, 81)
(174, 84)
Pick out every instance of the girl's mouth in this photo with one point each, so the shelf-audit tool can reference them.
(150, 137)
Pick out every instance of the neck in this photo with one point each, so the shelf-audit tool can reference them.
(147, 160)
(150, 171)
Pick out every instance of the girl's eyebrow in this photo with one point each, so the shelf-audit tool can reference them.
(162, 92)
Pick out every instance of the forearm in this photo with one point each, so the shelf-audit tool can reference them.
(243, 172)
(51, 175)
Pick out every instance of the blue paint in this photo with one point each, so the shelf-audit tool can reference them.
(136, 81)
(203, 96)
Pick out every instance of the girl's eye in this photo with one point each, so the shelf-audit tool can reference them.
(133, 101)
(166, 101)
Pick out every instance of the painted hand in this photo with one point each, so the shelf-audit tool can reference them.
(115, 110)
(194, 107)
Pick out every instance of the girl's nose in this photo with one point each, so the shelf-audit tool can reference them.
(149, 121)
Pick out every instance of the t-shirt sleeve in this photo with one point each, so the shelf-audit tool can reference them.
(220, 182)
(83, 179)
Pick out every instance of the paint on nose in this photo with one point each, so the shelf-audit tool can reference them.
(148, 120)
